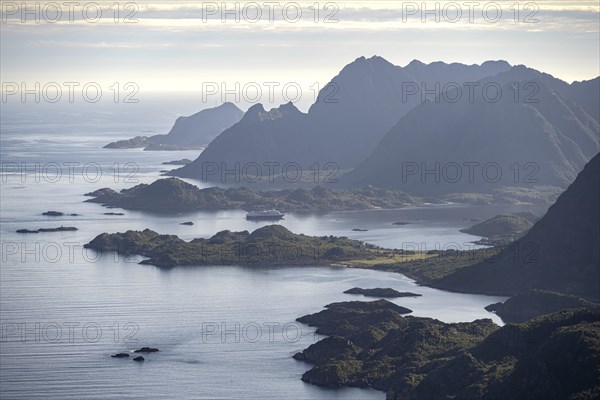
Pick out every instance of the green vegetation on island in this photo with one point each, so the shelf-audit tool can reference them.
(173, 195)
(373, 345)
(502, 229)
(269, 245)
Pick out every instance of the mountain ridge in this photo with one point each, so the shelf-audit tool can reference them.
(351, 114)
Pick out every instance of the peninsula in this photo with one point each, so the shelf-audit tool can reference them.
(269, 245)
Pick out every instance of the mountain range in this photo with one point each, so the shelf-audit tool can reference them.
(427, 129)
(350, 116)
(543, 137)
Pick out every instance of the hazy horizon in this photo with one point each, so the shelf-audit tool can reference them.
(175, 46)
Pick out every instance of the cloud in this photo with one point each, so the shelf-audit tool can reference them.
(172, 39)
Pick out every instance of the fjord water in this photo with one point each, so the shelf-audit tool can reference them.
(223, 332)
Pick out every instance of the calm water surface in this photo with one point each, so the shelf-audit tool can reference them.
(223, 332)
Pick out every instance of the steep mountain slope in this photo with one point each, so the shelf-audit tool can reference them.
(261, 136)
(561, 252)
(528, 136)
(534, 303)
(552, 357)
(587, 94)
(350, 116)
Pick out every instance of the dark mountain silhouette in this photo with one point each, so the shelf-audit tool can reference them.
(561, 252)
(260, 136)
(472, 145)
(351, 114)
(201, 128)
(193, 132)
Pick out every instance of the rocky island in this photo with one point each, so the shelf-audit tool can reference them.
(374, 345)
(269, 245)
(381, 292)
(46, 230)
(183, 161)
(133, 143)
(58, 214)
(172, 195)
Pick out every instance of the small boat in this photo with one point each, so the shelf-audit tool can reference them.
(265, 214)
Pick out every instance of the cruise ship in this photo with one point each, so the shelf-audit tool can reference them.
(266, 214)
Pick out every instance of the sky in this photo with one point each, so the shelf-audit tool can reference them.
(184, 46)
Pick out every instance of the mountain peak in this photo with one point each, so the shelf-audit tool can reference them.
(253, 114)
(362, 64)
(256, 108)
(378, 59)
(288, 108)
(228, 105)
(497, 63)
(257, 112)
(415, 63)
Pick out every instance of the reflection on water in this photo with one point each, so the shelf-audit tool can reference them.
(223, 332)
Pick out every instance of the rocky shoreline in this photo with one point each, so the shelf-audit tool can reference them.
(381, 292)
(502, 229)
(173, 195)
(269, 245)
(534, 303)
(371, 344)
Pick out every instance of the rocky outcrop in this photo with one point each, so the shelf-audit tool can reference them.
(552, 357)
(503, 229)
(380, 292)
(188, 133)
(46, 230)
(133, 143)
(58, 214)
(146, 350)
(535, 303)
(183, 161)
(501, 225)
(372, 344)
